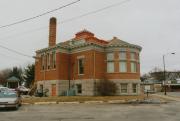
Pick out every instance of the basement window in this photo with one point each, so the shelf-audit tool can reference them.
(79, 88)
(134, 87)
(123, 88)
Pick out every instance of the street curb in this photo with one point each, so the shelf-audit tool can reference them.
(92, 102)
(68, 102)
(42, 103)
(116, 101)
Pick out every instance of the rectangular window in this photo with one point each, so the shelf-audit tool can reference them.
(54, 59)
(81, 65)
(40, 89)
(123, 66)
(110, 67)
(123, 88)
(133, 67)
(122, 55)
(48, 61)
(110, 56)
(79, 88)
(133, 56)
(138, 56)
(42, 62)
(134, 87)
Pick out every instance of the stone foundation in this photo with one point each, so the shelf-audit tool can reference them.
(88, 86)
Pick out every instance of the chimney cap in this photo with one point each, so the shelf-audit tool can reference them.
(53, 19)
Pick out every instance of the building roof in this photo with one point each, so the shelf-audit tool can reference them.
(85, 31)
(13, 79)
(85, 38)
(120, 43)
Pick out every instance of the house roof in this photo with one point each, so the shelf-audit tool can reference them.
(118, 42)
(13, 79)
(85, 38)
(85, 31)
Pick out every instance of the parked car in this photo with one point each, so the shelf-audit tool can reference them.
(22, 90)
(10, 100)
(6, 89)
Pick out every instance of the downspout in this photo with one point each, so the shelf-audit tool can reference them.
(69, 72)
(94, 55)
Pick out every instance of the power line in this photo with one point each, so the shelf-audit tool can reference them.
(95, 11)
(14, 51)
(68, 20)
(73, 18)
(1, 54)
(37, 16)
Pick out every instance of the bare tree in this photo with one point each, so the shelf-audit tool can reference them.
(4, 74)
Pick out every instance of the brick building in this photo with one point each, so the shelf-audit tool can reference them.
(82, 61)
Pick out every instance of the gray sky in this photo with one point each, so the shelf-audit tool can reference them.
(152, 24)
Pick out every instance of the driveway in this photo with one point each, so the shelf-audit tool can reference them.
(94, 112)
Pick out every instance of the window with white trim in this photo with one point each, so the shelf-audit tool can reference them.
(123, 66)
(110, 56)
(124, 88)
(133, 56)
(133, 67)
(134, 88)
(110, 67)
(122, 55)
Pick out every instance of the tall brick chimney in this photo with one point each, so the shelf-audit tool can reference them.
(52, 32)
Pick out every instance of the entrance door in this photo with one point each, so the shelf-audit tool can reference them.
(53, 90)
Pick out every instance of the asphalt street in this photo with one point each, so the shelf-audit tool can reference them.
(94, 112)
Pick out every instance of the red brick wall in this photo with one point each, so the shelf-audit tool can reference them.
(58, 73)
(100, 65)
(88, 70)
(91, 71)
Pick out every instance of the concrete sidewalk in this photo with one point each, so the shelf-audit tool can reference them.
(167, 97)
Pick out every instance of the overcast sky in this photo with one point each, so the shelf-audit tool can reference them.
(152, 24)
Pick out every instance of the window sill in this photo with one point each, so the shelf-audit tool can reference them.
(121, 72)
(80, 74)
(110, 72)
(48, 70)
(134, 92)
(123, 93)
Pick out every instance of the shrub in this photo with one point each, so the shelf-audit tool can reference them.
(106, 88)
